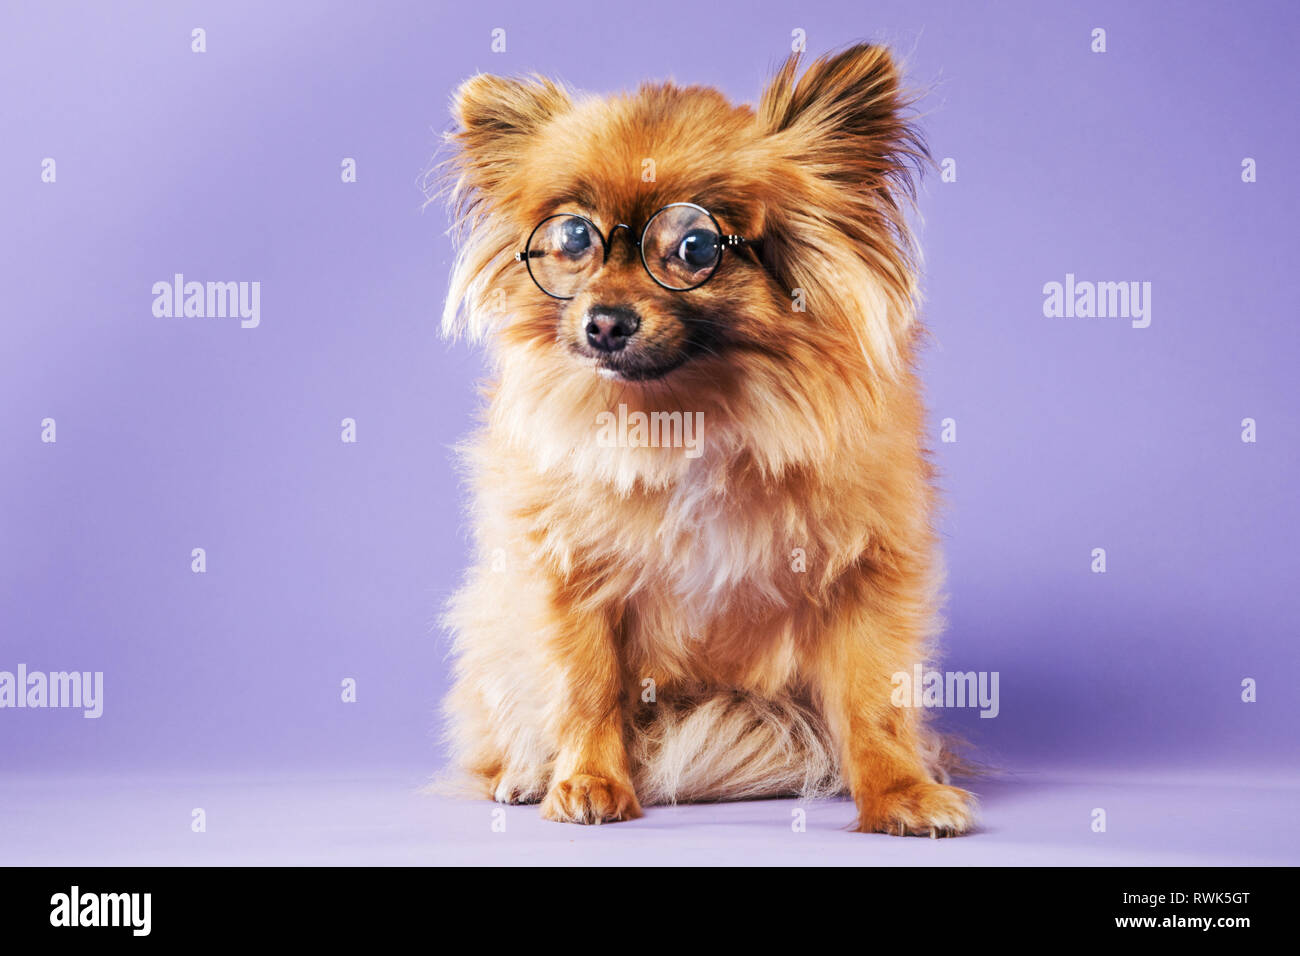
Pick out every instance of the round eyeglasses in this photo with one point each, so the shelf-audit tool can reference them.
(680, 247)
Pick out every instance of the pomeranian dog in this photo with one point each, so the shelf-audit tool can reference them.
(702, 498)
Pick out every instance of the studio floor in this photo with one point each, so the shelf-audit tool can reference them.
(384, 818)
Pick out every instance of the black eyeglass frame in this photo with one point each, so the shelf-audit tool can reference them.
(728, 241)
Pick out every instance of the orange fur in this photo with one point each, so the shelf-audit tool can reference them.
(604, 571)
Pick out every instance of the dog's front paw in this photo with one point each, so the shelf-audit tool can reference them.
(917, 809)
(510, 787)
(584, 798)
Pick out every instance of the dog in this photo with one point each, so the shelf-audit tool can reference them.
(649, 619)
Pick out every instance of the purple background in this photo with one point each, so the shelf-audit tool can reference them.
(328, 560)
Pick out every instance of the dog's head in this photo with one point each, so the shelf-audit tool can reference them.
(676, 248)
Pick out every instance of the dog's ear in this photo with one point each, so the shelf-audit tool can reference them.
(847, 154)
(845, 116)
(494, 115)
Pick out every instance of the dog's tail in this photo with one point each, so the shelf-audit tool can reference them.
(736, 746)
(732, 747)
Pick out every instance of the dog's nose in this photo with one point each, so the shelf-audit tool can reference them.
(610, 326)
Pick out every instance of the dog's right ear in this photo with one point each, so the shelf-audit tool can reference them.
(494, 115)
(495, 118)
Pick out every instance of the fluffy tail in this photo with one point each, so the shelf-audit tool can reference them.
(732, 747)
(736, 747)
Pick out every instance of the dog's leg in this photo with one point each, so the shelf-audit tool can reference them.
(882, 744)
(591, 782)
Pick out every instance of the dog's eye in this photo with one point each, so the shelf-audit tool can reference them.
(699, 248)
(575, 237)
(681, 246)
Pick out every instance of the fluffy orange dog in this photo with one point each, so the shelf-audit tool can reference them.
(702, 498)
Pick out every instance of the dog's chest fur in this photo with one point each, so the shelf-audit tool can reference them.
(716, 591)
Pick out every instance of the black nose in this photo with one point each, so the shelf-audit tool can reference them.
(610, 326)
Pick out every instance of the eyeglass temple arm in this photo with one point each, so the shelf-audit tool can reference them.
(531, 254)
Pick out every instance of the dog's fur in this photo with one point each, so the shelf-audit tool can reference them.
(602, 569)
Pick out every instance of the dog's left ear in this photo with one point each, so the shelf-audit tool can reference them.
(846, 118)
(847, 154)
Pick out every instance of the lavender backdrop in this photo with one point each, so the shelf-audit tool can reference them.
(328, 560)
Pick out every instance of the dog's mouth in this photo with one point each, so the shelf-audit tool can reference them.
(643, 355)
(628, 368)
(641, 363)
